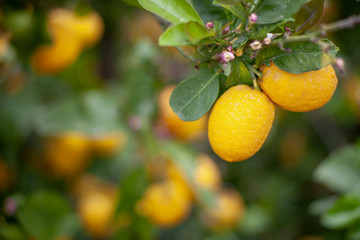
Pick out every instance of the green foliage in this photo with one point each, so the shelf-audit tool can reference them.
(309, 15)
(239, 74)
(235, 7)
(193, 97)
(301, 57)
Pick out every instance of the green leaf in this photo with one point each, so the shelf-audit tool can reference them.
(354, 232)
(184, 34)
(46, 214)
(340, 171)
(270, 11)
(345, 211)
(209, 12)
(175, 11)
(309, 15)
(133, 3)
(263, 29)
(234, 6)
(303, 57)
(239, 74)
(193, 97)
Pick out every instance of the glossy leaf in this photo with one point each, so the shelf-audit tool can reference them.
(271, 11)
(193, 97)
(309, 15)
(344, 212)
(209, 12)
(303, 57)
(184, 34)
(263, 29)
(234, 6)
(46, 215)
(239, 74)
(175, 11)
(340, 172)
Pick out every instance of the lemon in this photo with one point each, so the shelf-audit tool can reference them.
(239, 123)
(67, 154)
(229, 209)
(177, 127)
(165, 203)
(206, 173)
(107, 144)
(88, 28)
(299, 92)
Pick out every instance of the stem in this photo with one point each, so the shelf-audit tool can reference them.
(182, 52)
(325, 29)
(256, 85)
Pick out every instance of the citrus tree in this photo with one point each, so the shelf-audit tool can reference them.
(156, 119)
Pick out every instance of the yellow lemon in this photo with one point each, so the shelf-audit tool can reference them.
(60, 54)
(206, 173)
(67, 154)
(228, 210)
(299, 92)
(165, 203)
(239, 123)
(107, 144)
(177, 127)
(96, 210)
(87, 28)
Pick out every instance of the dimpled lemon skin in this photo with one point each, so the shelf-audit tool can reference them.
(299, 92)
(239, 123)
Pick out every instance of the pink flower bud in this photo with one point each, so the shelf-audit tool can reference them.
(10, 206)
(226, 30)
(227, 56)
(209, 25)
(340, 64)
(256, 45)
(229, 49)
(253, 18)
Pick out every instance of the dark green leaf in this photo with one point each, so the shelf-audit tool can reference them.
(234, 6)
(134, 3)
(193, 97)
(263, 29)
(241, 40)
(239, 74)
(354, 232)
(184, 34)
(45, 215)
(309, 15)
(340, 172)
(175, 11)
(303, 57)
(210, 12)
(344, 212)
(270, 11)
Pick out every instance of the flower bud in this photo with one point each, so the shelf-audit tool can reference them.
(226, 30)
(253, 18)
(256, 45)
(10, 206)
(229, 49)
(227, 56)
(209, 25)
(340, 64)
(267, 41)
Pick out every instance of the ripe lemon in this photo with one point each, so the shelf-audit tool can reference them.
(228, 210)
(60, 54)
(206, 173)
(96, 210)
(239, 123)
(299, 92)
(165, 203)
(88, 28)
(177, 127)
(67, 154)
(107, 144)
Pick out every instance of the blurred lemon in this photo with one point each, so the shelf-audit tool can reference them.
(108, 144)
(228, 210)
(165, 203)
(177, 127)
(87, 28)
(292, 148)
(67, 154)
(96, 209)
(60, 54)
(206, 173)
(5, 176)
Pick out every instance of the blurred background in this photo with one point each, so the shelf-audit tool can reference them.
(90, 149)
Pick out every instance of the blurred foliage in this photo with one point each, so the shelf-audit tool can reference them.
(304, 181)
